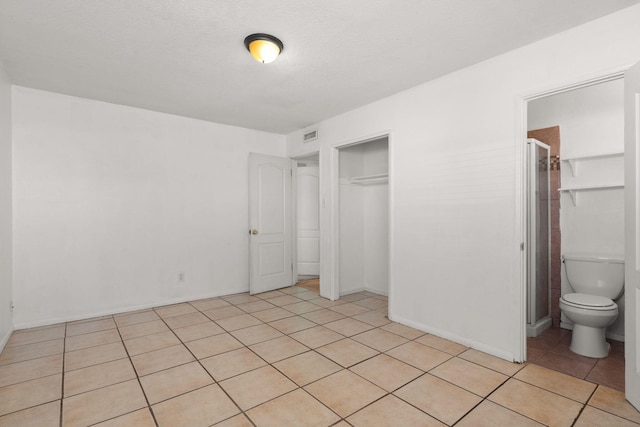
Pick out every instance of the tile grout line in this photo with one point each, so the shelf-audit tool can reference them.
(298, 387)
(153, 415)
(386, 392)
(591, 370)
(64, 354)
(513, 376)
(424, 373)
(486, 398)
(203, 367)
(120, 382)
(341, 418)
(586, 403)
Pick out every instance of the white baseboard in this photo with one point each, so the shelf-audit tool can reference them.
(538, 328)
(352, 291)
(63, 319)
(455, 338)
(5, 339)
(377, 292)
(364, 289)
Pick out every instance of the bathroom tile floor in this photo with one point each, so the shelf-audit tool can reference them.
(282, 358)
(551, 350)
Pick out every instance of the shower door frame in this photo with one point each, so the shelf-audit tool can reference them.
(534, 325)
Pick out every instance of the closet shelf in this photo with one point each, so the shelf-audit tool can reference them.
(369, 179)
(573, 160)
(574, 190)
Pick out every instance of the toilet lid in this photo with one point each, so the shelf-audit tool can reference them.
(588, 300)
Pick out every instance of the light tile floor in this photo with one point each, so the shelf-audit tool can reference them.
(283, 358)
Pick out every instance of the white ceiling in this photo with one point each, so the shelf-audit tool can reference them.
(187, 57)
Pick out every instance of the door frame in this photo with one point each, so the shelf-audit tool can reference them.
(522, 100)
(334, 169)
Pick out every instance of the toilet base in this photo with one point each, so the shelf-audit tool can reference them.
(590, 342)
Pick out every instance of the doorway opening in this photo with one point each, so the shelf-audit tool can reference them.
(307, 214)
(584, 129)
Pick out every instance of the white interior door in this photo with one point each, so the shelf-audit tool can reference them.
(308, 220)
(632, 232)
(270, 224)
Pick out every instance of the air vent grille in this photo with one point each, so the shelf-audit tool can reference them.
(310, 136)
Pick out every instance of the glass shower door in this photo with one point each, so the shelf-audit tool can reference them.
(539, 238)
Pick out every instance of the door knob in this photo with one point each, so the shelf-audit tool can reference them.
(254, 231)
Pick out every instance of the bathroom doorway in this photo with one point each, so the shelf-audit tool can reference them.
(586, 210)
(584, 128)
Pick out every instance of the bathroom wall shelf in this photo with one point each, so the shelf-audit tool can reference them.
(573, 191)
(369, 179)
(573, 161)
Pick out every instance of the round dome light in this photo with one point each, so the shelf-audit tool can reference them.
(263, 47)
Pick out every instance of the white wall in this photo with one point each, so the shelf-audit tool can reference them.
(6, 324)
(112, 203)
(456, 189)
(591, 122)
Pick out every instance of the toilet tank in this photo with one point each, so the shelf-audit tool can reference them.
(601, 275)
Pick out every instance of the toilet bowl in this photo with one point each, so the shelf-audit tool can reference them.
(590, 315)
(597, 281)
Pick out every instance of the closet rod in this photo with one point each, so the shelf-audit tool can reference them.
(369, 179)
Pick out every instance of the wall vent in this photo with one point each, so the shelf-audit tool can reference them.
(310, 136)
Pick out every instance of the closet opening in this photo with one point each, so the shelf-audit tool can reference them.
(363, 218)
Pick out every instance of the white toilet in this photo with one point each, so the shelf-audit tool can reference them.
(596, 281)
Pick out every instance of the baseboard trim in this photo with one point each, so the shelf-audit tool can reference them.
(5, 339)
(352, 291)
(377, 292)
(455, 338)
(364, 289)
(538, 328)
(86, 316)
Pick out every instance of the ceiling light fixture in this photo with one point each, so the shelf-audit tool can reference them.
(263, 47)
